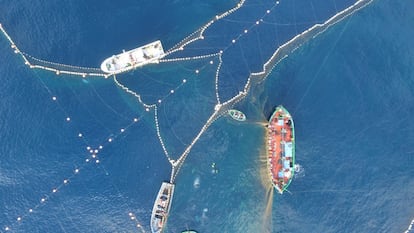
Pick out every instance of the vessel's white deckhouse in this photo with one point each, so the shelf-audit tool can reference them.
(150, 53)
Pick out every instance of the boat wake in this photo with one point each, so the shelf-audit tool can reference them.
(196, 183)
(299, 171)
(267, 217)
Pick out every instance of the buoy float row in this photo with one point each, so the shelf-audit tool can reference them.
(58, 72)
(94, 152)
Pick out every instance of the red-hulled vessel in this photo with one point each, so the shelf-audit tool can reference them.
(281, 148)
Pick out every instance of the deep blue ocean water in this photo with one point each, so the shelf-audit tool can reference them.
(350, 91)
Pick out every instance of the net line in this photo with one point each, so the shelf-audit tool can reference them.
(57, 68)
(220, 108)
(256, 77)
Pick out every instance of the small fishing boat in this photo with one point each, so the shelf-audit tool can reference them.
(237, 115)
(162, 207)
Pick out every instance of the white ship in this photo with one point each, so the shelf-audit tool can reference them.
(149, 53)
(162, 207)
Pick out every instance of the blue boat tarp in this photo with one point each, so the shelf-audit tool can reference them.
(288, 149)
(286, 164)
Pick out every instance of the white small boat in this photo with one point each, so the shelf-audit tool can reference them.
(162, 207)
(237, 115)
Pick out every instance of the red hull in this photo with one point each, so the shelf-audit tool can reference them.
(281, 148)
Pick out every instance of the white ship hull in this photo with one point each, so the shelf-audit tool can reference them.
(162, 207)
(150, 53)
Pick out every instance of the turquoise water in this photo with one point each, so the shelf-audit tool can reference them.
(350, 91)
